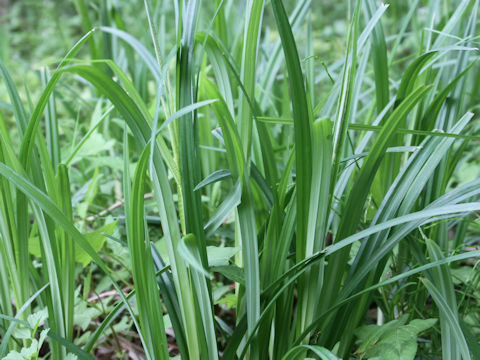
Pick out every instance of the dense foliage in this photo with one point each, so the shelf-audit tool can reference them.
(239, 179)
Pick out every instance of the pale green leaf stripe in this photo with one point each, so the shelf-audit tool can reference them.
(183, 111)
(393, 149)
(374, 20)
(187, 250)
(214, 52)
(344, 102)
(139, 49)
(423, 214)
(452, 22)
(199, 279)
(379, 54)
(452, 320)
(439, 133)
(246, 221)
(213, 177)
(309, 288)
(231, 137)
(225, 209)
(148, 301)
(253, 20)
(320, 351)
(376, 128)
(441, 277)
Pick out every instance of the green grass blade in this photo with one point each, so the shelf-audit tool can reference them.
(225, 209)
(321, 352)
(302, 124)
(360, 189)
(148, 301)
(380, 63)
(450, 316)
(218, 175)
